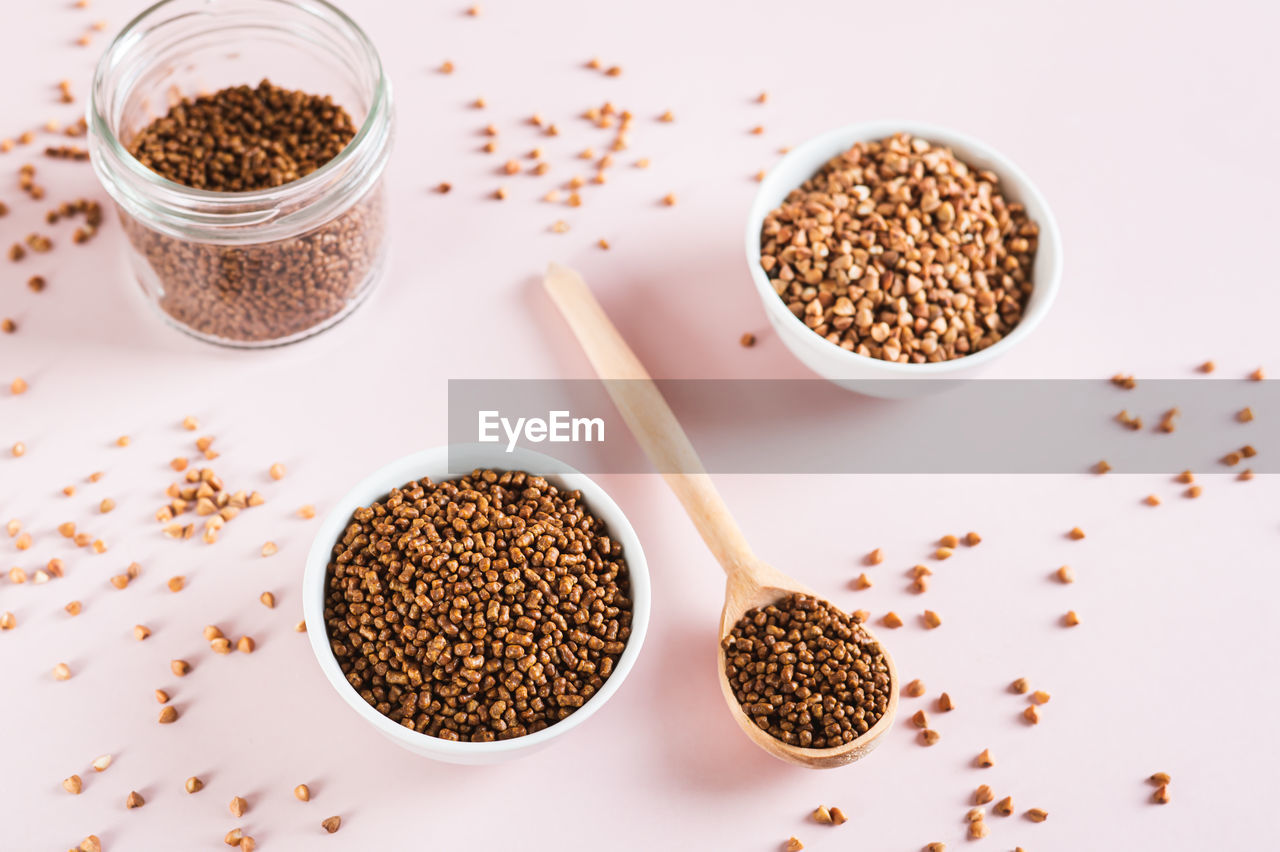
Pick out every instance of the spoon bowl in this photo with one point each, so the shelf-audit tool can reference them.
(751, 581)
(760, 588)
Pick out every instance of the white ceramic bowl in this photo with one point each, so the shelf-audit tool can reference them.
(869, 375)
(436, 463)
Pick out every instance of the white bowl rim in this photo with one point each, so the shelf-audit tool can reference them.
(423, 463)
(1011, 175)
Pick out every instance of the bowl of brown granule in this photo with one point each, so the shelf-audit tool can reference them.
(473, 604)
(887, 253)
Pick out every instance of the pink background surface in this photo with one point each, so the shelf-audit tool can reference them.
(1149, 136)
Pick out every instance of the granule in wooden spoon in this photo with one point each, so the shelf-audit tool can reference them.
(839, 683)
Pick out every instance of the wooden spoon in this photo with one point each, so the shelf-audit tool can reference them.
(751, 582)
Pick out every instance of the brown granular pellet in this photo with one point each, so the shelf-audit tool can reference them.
(238, 806)
(240, 139)
(984, 761)
(480, 608)
(168, 714)
(8, 326)
(747, 340)
(930, 618)
(982, 795)
(67, 152)
(1071, 619)
(1037, 815)
(806, 673)
(1160, 796)
(1134, 423)
(792, 845)
(331, 824)
(945, 704)
(1004, 807)
(897, 250)
(193, 785)
(1160, 778)
(891, 620)
(838, 817)
(914, 689)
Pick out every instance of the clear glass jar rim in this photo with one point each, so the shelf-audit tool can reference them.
(237, 209)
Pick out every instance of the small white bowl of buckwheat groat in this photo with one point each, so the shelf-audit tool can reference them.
(890, 252)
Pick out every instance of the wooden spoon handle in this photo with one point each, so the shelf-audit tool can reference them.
(649, 417)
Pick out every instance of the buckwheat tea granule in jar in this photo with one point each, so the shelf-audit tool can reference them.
(244, 144)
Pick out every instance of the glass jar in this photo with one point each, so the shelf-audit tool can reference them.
(263, 267)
